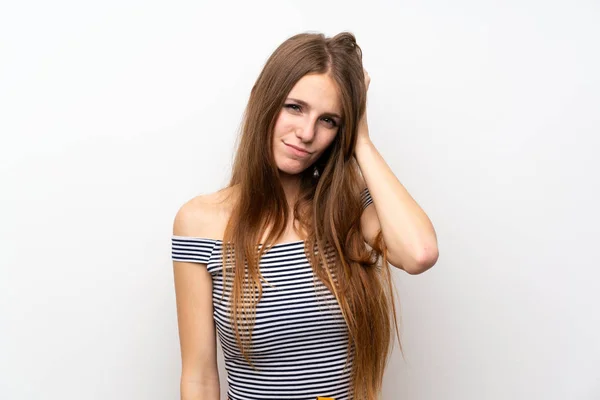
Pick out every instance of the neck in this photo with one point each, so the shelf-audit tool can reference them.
(291, 187)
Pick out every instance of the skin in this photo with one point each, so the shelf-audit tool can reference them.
(408, 234)
(407, 231)
(309, 126)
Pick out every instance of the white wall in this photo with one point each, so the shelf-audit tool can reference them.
(114, 113)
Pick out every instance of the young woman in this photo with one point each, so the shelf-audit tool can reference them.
(289, 264)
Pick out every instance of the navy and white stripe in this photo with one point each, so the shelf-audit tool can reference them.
(365, 198)
(300, 338)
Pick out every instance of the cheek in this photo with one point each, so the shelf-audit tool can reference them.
(282, 124)
(324, 145)
(328, 140)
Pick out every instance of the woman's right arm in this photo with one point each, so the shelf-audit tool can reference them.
(197, 338)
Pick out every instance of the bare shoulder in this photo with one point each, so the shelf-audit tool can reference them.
(205, 215)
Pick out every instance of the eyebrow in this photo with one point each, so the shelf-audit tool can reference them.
(305, 104)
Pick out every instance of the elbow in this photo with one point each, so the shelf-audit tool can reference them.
(416, 261)
(423, 262)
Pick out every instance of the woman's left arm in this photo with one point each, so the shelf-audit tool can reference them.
(407, 231)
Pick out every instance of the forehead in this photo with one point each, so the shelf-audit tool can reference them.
(319, 91)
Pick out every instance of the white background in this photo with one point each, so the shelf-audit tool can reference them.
(114, 113)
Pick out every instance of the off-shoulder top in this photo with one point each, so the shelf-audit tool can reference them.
(299, 340)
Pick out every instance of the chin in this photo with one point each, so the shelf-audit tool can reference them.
(291, 171)
(290, 167)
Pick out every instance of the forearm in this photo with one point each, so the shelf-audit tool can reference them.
(407, 231)
(209, 390)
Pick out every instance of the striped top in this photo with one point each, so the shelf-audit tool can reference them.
(300, 338)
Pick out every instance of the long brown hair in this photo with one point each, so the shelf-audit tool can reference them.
(328, 208)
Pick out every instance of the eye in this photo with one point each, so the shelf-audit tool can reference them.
(330, 122)
(298, 108)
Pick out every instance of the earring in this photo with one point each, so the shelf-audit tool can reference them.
(316, 173)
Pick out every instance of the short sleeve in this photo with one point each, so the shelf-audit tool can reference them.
(365, 198)
(190, 249)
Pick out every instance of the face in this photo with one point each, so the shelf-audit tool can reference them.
(307, 123)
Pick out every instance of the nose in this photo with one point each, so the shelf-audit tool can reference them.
(306, 132)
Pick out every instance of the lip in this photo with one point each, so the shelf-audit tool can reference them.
(297, 150)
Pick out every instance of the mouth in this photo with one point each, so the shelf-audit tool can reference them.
(297, 150)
